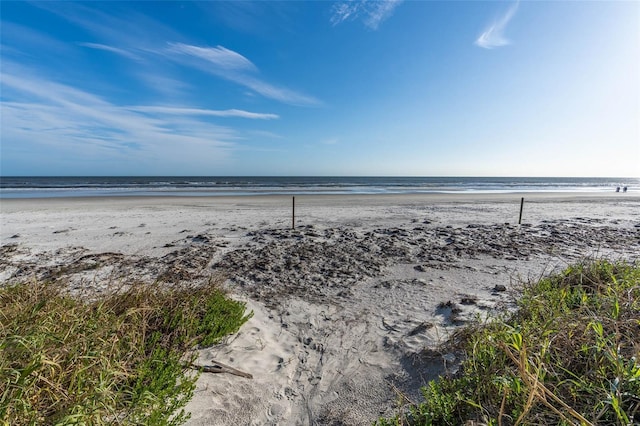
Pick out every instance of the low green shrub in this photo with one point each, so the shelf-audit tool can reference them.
(569, 354)
(122, 359)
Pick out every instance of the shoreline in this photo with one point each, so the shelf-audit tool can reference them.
(403, 197)
(345, 305)
(212, 186)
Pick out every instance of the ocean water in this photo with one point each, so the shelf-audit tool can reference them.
(45, 187)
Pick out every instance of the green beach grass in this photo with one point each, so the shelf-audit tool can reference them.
(123, 359)
(568, 355)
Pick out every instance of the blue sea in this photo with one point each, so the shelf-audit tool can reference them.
(46, 187)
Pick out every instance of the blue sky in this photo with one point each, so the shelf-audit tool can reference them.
(419, 88)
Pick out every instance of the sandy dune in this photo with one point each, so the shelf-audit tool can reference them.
(348, 306)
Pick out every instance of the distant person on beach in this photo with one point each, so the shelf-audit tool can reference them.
(617, 189)
(624, 189)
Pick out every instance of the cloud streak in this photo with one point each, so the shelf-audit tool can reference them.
(232, 66)
(203, 112)
(139, 41)
(493, 35)
(218, 56)
(70, 123)
(121, 52)
(132, 30)
(371, 12)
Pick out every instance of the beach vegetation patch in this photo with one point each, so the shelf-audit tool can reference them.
(122, 359)
(569, 354)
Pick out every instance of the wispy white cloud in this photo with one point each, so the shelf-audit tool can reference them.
(372, 12)
(493, 35)
(84, 126)
(219, 56)
(198, 111)
(258, 18)
(130, 30)
(345, 11)
(265, 134)
(218, 61)
(116, 50)
(75, 120)
(274, 92)
(234, 67)
(137, 36)
(379, 13)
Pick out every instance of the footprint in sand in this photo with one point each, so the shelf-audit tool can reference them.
(275, 412)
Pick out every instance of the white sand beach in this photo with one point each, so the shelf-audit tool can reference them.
(348, 306)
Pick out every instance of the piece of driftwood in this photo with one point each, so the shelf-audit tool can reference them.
(218, 367)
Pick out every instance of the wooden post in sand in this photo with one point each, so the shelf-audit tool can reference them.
(293, 214)
(521, 206)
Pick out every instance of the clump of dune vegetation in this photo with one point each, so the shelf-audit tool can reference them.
(122, 359)
(568, 355)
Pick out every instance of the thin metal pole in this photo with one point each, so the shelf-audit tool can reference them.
(293, 214)
(521, 206)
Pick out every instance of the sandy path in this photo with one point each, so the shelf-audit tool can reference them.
(345, 304)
